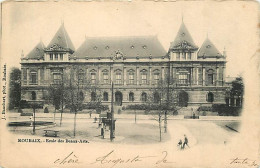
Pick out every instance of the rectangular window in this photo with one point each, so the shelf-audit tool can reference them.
(184, 56)
(156, 78)
(105, 77)
(144, 78)
(118, 78)
(189, 56)
(183, 78)
(177, 56)
(131, 78)
(61, 56)
(24, 74)
(51, 56)
(56, 56)
(93, 78)
(33, 78)
(81, 77)
(57, 78)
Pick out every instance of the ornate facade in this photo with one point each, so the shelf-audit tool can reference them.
(134, 64)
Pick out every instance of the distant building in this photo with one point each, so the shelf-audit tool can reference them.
(134, 64)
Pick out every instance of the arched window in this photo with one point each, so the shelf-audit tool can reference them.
(156, 76)
(210, 97)
(210, 77)
(131, 96)
(105, 96)
(93, 96)
(144, 76)
(131, 74)
(33, 95)
(118, 77)
(81, 96)
(156, 97)
(144, 97)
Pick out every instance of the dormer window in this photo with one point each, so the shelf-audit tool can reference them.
(61, 56)
(95, 47)
(132, 47)
(107, 47)
(144, 47)
(56, 57)
(51, 56)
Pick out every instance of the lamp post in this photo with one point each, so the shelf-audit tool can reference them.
(112, 114)
(33, 105)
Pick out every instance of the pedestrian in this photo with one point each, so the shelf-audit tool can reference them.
(180, 144)
(90, 114)
(186, 141)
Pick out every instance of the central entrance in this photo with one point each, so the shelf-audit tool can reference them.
(118, 98)
(183, 99)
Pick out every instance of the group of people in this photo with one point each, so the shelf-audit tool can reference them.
(183, 143)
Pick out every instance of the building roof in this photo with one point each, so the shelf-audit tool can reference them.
(143, 46)
(62, 39)
(208, 49)
(37, 52)
(183, 37)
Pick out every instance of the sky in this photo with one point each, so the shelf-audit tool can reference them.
(229, 24)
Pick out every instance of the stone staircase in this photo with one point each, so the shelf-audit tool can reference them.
(188, 111)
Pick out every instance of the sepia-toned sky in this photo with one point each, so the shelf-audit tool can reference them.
(229, 24)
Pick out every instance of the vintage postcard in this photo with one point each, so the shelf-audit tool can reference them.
(122, 84)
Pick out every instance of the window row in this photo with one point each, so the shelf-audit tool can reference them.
(131, 96)
(56, 56)
(183, 55)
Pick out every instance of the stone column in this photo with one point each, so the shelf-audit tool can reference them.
(194, 76)
(217, 77)
(28, 76)
(197, 75)
(171, 76)
(87, 75)
(174, 74)
(45, 75)
(39, 76)
(150, 75)
(223, 74)
(137, 75)
(191, 76)
(111, 74)
(203, 76)
(124, 73)
(98, 74)
(163, 73)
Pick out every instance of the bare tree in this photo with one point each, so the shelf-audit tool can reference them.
(159, 99)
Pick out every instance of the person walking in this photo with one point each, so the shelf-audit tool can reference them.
(186, 141)
(180, 144)
(90, 113)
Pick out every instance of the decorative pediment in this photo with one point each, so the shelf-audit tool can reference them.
(184, 45)
(118, 55)
(56, 47)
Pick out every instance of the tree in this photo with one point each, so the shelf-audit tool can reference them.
(15, 88)
(56, 96)
(237, 87)
(160, 98)
(74, 83)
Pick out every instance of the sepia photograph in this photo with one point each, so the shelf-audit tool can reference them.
(130, 84)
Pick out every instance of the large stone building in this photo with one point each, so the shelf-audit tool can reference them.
(134, 64)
